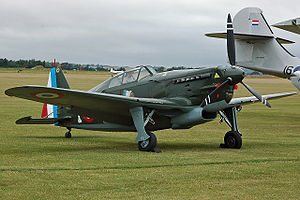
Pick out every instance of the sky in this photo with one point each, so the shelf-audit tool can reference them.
(128, 32)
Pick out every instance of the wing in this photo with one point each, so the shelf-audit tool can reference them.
(101, 102)
(253, 99)
(221, 105)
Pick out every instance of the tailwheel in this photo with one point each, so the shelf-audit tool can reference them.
(232, 140)
(149, 144)
(68, 134)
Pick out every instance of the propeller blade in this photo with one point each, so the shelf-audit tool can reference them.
(256, 94)
(231, 57)
(213, 96)
(230, 41)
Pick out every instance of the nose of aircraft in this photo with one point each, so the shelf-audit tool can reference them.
(235, 73)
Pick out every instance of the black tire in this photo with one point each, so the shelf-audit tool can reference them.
(68, 134)
(149, 144)
(233, 140)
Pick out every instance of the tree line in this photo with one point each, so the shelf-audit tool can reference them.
(5, 63)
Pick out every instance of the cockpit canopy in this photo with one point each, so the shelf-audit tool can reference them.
(130, 76)
(133, 75)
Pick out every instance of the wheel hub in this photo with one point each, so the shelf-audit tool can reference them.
(231, 141)
(144, 143)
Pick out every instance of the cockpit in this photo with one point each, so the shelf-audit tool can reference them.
(127, 77)
(133, 75)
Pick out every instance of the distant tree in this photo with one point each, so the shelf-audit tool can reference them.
(176, 68)
(3, 62)
(121, 69)
(159, 69)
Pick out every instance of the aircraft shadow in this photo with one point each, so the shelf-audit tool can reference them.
(106, 143)
(188, 146)
(59, 137)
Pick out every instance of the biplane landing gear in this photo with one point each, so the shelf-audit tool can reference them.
(233, 138)
(68, 134)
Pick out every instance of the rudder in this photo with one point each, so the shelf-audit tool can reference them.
(56, 80)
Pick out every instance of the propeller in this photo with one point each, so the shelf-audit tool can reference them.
(231, 57)
(214, 95)
(230, 41)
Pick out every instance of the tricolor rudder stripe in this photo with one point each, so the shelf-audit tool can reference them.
(50, 111)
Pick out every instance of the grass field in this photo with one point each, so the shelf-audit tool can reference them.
(37, 162)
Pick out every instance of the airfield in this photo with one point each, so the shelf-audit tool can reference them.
(37, 162)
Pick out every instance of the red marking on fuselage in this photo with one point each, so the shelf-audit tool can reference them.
(89, 120)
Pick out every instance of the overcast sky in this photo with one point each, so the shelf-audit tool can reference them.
(128, 32)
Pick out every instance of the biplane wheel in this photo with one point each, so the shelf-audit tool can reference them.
(149, 144)
(68, 134)
(232, 140)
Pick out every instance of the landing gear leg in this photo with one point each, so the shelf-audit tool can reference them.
(146, 141)
(233, 138)
(68, 134)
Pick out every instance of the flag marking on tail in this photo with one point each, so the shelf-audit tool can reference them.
(49, 111)
(255, 22)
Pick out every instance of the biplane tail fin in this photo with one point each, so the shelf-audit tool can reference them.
(56, 80)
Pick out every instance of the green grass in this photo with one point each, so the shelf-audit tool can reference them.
(37, 162)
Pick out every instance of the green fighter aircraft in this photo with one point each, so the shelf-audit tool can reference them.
(142, 100)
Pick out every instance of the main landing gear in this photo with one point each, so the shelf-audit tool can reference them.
(233, 138)
(146, 141)
(149, 144)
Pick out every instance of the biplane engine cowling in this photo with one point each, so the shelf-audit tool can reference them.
(191, 118)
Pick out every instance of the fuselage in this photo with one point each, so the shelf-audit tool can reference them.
(187, 88)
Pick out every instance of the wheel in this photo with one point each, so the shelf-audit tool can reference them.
(68, 134)
(233, 140)
(149, 144)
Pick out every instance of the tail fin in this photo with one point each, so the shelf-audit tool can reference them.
(56, 80)
(256, 46)
(251, 21)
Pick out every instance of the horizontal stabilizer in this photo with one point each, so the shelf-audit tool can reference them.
(243, 36)
(292, 25)
(30, 120)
